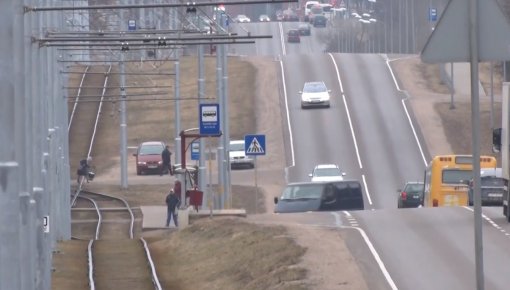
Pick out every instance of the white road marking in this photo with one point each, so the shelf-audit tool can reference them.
(490, 221)
(282, 39)
(407, 112)
(370, 247)
(366, 189)
(288, 118)
(347, 110)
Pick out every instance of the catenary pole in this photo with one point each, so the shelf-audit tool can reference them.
(123, 124)
(177, 122)
(201, 96)
(475, 123)
(219, 94)
(10, 258)
(226, 130)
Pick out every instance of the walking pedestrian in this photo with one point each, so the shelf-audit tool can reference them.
(167, 165)
(172, 202)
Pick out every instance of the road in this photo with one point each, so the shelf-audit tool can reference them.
(369, 131)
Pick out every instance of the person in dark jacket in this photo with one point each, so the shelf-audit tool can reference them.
(84, 169)
(172, 203)
(165, 157)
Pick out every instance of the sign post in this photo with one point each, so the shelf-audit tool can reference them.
(132, 25)
(255, 145)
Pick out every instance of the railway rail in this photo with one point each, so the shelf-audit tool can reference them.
(112, 252)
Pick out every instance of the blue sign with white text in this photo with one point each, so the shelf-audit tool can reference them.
(195, 151)
(255, 144)
(209, 119)
(432, 14)
(131, 25)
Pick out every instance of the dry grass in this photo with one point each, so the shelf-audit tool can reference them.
(226, 260)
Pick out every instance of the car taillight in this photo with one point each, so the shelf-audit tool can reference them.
(403, 195)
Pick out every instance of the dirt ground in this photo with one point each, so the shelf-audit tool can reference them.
(218, 253)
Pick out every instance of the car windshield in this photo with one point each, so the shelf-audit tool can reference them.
(314, 88)
(493, 181)
(303, 191)
(151, 149)
(456, 176)
(414, 187)
(327, 172)
(237, 147)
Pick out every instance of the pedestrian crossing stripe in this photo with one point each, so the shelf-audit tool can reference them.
(255, 147)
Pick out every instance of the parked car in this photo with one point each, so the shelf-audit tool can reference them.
(411, 195)
(327, 172)
(264, 18)
(238, 157)
(148, 157)
(304, 29)
(241, 18)
(293, 36)
(320, 196)
(315, 94)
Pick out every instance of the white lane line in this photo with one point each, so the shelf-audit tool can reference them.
(347, 110)
(407, 112)
(414, 133)
(490, 221)
(282, 39)
(371, 248)
(347, 213)
(288, 115)
(337, 73)
(366, 189)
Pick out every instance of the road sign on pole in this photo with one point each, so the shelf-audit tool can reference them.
(449, 42)
(255, 144)
(432, 14)
(132, 25)
(209, 119)
(195, 150)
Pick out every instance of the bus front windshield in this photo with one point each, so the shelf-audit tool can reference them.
(456, 176)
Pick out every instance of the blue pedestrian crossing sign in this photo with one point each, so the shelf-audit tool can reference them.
(255, 144)
(432, 14)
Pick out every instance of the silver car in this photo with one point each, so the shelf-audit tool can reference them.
(315, 94)
(238, 157)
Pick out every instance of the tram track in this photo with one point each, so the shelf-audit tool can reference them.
(115, 258)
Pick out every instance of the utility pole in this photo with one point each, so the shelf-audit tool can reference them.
(226, 131)
(177, 122)
(123, 122)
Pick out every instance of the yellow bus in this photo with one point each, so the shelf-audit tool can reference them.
(447, 177)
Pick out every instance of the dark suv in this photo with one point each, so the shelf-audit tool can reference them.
(411, 195)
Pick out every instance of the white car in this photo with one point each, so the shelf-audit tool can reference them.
(315, 94)
(237, 155)
(242, 18)
(264, 18)
(327, 172)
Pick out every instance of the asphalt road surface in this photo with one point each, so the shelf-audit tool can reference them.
(369, 131)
